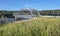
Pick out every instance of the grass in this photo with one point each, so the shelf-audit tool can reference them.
(32, 27)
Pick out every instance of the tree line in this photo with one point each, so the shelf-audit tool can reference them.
(35, 12)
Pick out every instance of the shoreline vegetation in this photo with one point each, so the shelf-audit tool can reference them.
(9, 14)
(32, 27)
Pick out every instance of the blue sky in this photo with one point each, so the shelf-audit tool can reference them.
(36, 4)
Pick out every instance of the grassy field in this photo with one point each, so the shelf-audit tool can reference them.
(32, 27)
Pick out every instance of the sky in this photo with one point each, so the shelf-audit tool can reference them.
(35, 4)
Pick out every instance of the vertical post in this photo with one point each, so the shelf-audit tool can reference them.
(53, 12)
(39, 14)
(47, 13)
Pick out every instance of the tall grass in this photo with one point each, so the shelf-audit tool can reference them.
(32, 27)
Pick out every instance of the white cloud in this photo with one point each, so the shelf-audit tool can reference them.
(31, 5)
(28, 5)
(24, 3)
